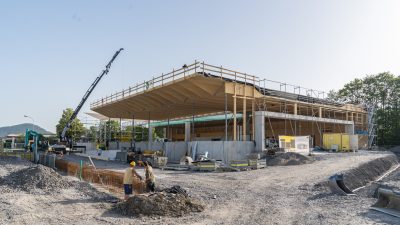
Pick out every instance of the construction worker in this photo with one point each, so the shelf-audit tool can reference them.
(128, 179)
(150, 179)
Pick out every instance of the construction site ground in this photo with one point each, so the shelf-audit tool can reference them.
(275, 195)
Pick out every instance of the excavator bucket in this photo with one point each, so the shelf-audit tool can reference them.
(388, 202)
(337, 185)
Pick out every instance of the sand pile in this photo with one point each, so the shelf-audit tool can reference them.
(288, 158)
(34, 179)
(173, 202)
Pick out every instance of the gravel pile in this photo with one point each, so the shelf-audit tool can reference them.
(288, 159)
(36, 179)
(171, 203)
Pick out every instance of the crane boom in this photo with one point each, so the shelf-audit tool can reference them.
(87, 94)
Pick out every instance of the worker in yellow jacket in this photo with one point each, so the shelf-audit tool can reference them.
(129, 174)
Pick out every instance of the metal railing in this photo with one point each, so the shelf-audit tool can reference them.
(207, 69)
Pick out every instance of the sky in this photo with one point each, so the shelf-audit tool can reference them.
(51, 51)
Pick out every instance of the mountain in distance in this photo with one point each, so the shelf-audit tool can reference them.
(21, 128)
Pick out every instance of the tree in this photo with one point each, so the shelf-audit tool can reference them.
(381, 91)
(91, 133)
(76, 130)
(111, 128)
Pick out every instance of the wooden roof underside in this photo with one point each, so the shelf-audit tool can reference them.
(193, 95)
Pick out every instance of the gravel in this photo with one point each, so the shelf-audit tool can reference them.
(288, 159)
(159, 204)
(36, 179)
(275, 195)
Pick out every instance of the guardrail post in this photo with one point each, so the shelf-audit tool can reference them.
(221, 72)
(195, 66)
(203, 68)
(162, 79)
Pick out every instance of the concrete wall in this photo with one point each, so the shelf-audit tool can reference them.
(219, 150)
(223, 150)
(175, 150)
(109, 154)
(122, 145)
(89, 145)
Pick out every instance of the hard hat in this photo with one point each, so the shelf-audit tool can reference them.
(132, 163)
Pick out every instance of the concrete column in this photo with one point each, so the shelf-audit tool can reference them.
(244, 120)
(259, 135)
(226, 118)
(349, 129)
(187, 131)
(13, 142)
(320, 112)
(150, 132)
(234, 118)
(133, 143)
(253, 105)
(295, 108)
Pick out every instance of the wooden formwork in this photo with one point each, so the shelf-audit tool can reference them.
(99, 176)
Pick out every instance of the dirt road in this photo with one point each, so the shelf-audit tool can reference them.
(275, 195)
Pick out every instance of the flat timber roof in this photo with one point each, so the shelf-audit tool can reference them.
(200, 89)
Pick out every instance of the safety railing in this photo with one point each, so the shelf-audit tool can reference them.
(207, 69)
(185, 71)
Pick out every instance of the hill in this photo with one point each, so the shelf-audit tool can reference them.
(20, 129)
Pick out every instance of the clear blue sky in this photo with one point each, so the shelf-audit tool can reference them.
(51, 51)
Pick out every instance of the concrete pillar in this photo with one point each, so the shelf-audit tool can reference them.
(13, 142)
(295, 108)
(253, 105)
(187, 131)
(150, 132)
(234, 118)
(320, 112)
(133, 143)
(244, 119)
(349, 129)
(259, 136)
(226, 117)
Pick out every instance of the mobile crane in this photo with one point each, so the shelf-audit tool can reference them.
(63, 139)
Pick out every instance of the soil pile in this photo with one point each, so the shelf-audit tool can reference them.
(370, 171)
(173, 202)
(288, 159)
(34, 179)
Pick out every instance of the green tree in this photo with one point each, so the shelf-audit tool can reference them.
(91, 133)
(111, 128)
(381, 91)
(76, 130)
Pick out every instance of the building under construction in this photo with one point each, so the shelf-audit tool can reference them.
(228, 113)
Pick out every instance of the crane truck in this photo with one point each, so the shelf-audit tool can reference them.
(64, 140)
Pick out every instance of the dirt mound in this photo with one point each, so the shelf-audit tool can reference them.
(288, 159)
(366, 174)
(160, 204)
(369, 171)
(36, 178)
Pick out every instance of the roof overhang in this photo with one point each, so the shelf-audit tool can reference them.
(194, 94)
